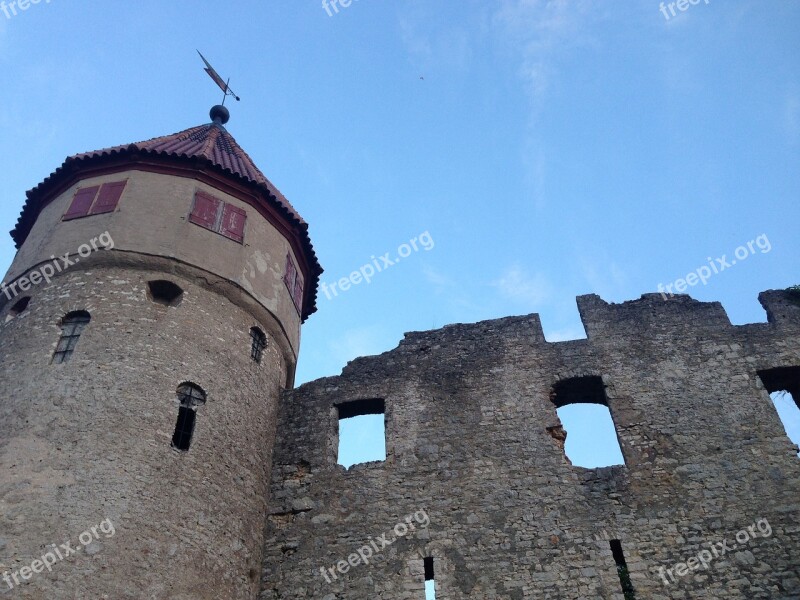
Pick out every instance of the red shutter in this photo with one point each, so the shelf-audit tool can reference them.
(290, 275)
(81, 203)
(297, 295)
(205, 210)
(109, 197)
(233, 220)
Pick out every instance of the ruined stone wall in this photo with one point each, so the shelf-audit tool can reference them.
(472, 440)
(90, 439)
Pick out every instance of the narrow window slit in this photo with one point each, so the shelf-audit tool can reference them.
(430, 583)
(258, 343)
(190, 397)
(622, 570)
(72, 325)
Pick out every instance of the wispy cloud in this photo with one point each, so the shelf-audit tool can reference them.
(529, 289)
(605, 277)
(539, 31)
(363, 341)
(430, 44)
(539, 34)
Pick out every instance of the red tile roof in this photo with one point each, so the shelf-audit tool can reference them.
(210, 144)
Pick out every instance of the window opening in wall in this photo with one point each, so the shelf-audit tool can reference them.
(362, 432)
(95, 200)
(190, 397)
(164, 292)
(783, 385)
(430, 584)
(622, 570)
(588, 436)
(18, 308)
(293, 279)
(216, 215)
(72, 325)
(258, 341)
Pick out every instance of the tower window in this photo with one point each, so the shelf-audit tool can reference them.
(190, 397)
(362, 432)
(72, 325)
(218, 216)
(582, 407)
(95, 200)
(164, 292)
(19, 307)
(258, 343)
(294, 283)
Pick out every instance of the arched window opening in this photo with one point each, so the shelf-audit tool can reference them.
(783, 385)
(582, 407)
(19, 307)
(72, 325)
(258, 343)
(190, 397)
(164, 292)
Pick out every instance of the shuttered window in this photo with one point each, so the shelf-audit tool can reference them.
(297, 292)
(233, 220)
(81, 203)
(205, 210)
(108, 198)
(218, 216)
(294, 283)
(95, 200)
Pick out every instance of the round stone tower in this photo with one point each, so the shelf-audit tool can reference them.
(148, 324)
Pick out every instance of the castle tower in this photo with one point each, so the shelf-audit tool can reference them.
(148, 323)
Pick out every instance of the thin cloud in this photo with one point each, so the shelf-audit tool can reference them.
(604, 276)
(351, 344)
(516, 284)
(538, 31)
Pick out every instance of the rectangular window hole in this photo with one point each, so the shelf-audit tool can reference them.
(362, 432)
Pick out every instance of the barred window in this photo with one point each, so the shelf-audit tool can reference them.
(72, 325)
(259, 343)
(190, 397)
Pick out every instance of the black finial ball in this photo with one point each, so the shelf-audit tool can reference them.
(219, 114)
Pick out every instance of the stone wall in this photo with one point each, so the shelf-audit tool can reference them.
(473, 441)
(90, 439)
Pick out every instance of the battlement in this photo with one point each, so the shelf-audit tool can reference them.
(474, 439)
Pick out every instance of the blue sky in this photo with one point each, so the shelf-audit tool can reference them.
(548, 149)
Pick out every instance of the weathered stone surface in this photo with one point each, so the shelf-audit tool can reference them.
(89, 440)
(473, 439)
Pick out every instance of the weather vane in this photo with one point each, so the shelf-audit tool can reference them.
(218, 80)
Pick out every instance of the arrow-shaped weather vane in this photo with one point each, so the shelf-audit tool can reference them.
(223, 85)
